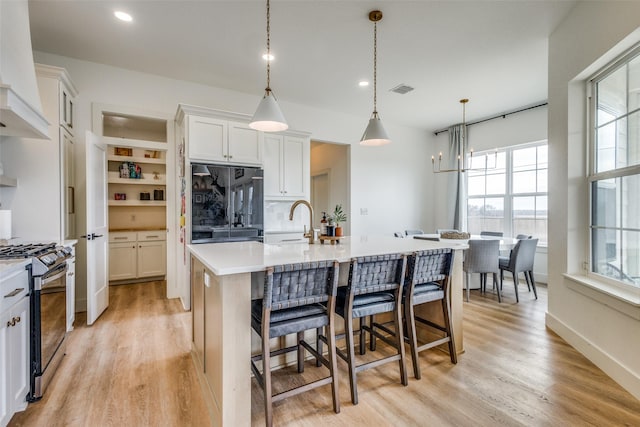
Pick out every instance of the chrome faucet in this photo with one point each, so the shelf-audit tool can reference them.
(309, 234)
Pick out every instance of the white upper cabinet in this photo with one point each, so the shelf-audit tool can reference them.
(213, 138)
(286, 166)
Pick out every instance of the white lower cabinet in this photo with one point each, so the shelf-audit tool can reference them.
(137, 255)
(151, 258)
(14, 351)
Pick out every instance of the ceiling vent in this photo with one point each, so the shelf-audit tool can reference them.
(401, 89)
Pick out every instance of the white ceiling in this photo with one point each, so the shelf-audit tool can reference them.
(494, 53)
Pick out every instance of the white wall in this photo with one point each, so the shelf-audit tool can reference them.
(592, 35)
(389, 181)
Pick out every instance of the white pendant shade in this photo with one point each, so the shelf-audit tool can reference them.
(374, 134)
(200, 170)
(268, 117)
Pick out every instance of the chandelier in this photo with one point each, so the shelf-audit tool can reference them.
(461, 161)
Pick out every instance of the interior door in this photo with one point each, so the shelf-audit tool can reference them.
(97, 228)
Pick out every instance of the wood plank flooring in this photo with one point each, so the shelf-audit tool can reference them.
(133, 368)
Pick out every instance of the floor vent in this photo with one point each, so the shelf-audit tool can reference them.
(401, 89)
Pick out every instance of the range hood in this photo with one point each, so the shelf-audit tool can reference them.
(18, 118)
(20, 106)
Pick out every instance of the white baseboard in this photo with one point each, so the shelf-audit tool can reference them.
(618, 372)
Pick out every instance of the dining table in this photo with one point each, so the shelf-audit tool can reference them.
(506, 243)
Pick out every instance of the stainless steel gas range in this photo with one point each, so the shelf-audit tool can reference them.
(48, 295)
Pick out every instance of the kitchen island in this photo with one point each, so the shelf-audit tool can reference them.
(221, 289)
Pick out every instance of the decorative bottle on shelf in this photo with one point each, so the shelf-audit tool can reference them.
(323, 224)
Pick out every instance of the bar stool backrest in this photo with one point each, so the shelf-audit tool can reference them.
(431, 265)
(376, 273)
(294, 285)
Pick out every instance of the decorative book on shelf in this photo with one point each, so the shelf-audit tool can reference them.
(455, 235)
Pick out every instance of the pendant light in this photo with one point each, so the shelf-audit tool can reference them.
(268, 116)
(375, 134)
(200, 170)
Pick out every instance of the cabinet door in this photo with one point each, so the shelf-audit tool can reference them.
(19, 336)
(293, 162)
(122, 260)
(66, 108)
(207, 139)
(151, 259)
(5, 404)
(245, 144)
(197, 305)
(71, 293)
(273, 166)
(69, 185)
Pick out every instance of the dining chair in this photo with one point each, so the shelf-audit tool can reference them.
(482, 257)
(492, 233)
(297, 297)
(374, 287)
(523, 236)
(428, 280)
(398, 234)
(526, 274)
(521, 260)
(413, 232)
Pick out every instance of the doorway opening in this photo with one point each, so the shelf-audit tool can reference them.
(330, 180)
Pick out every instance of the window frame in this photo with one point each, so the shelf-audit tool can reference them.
(509, 195)
(592, 174)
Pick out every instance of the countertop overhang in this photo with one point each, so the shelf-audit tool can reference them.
(248, 257)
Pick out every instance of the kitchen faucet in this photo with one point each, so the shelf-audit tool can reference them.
(308, 234)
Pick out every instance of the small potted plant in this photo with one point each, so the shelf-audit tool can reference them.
(339, 217)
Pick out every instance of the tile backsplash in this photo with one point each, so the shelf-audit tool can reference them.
(276, 217)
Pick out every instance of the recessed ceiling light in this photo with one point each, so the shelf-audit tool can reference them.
(269, 57)
(363, 83)
(123, 16)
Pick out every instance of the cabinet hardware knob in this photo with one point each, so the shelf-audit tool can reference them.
(18, 319)
(231, 157)
(8, 324)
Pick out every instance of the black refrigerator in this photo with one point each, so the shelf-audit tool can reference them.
(226, 203)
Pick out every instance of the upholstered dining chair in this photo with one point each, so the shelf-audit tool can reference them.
(413, 232)
(374, 287)
(428, 280)
(297, 297)
(492, 233)
(482, 257)
(521, 260)
(398, 234)
(523, 236)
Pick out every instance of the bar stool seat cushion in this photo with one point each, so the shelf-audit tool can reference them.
(367, 304)
(426, 292)
(290, 320)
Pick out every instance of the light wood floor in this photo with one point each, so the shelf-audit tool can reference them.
(132, 368)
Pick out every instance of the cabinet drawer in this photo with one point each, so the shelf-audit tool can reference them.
(13, 288)
(123, 236)
(147, 236)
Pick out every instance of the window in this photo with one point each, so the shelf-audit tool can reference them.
(614, 176)
(512, 196)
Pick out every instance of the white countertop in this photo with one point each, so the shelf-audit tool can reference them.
(8, 266)
(247, 257)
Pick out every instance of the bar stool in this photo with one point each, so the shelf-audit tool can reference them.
(428, 281)
(297, 297)
(375, 286)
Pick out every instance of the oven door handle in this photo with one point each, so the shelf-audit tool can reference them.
(62, 272)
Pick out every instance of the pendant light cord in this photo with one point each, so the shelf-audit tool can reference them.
(375, 68)
(268, 89)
